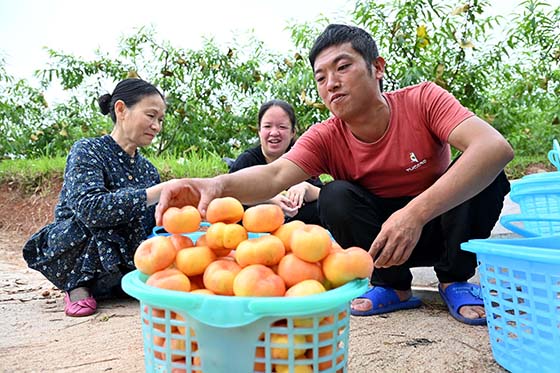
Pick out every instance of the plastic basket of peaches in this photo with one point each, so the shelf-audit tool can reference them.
(249, 294)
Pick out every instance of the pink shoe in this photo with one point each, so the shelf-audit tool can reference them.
(82, 307)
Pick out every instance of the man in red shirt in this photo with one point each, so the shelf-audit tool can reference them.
(395, 191)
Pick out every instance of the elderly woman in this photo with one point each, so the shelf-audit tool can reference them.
(105, 207)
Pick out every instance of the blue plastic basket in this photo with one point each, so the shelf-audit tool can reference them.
(236, 334)
(520, 280)
(538, 197)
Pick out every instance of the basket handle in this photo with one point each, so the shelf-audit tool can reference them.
(554, 158)
(322, 302)
(507, 222)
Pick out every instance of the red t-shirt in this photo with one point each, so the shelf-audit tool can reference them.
(412, 154)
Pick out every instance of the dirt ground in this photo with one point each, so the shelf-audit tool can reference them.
(36, 336)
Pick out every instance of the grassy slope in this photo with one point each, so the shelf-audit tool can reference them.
(31, 174)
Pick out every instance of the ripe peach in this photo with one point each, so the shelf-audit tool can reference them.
(201, 241)
(311, 243)
(226, 209)
(305, 287)
(181, 220)
(263, 218)
(258, 280)
(170, 279)
(154, 254)
(285, 231)
(266, 250)
(342, 267)
(222, 236)
(219, 275)
(324, 353)
(194, 260)
(299, 368)
(180, 241)
(284, 352)
(293, 270)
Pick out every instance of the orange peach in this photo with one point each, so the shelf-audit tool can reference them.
(194, 260)
(305, 287)
(298, 367)
(293, 270)
(285, 231)
(170, 279)
(180, 241)
(342, 267)
(326, 355)
(258, 280)
(219, 275)
(311, 243)
(267, 250)
(222, 236)
(280, 340)
(263, 218)
(201, 241)
(226, 209)
(154, 254)
(181, 220)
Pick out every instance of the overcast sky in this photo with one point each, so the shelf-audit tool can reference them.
(80, 27)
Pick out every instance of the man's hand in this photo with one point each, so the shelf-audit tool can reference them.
(396, 240)
(183, 192)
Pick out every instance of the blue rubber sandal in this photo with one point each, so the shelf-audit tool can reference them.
(461, 294)
(385, 300)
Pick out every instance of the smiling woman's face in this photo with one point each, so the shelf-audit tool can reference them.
(275, 133)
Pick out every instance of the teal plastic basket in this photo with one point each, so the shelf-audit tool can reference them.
(538, 197)
(520, 280)
(218, 334)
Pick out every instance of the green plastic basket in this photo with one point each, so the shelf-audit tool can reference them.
(213, 333)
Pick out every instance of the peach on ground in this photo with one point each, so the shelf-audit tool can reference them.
(181, 220)
(342, 267)
(170, 279)
(267, 250)
(257, 280)
(293, 270)
(226, 209)
(154, 254)
(181, 242)
(311, 243)
(263, 218)
(219, 275)
(285, 231)
(194, 260)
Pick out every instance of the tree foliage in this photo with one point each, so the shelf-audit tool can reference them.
(510, 79)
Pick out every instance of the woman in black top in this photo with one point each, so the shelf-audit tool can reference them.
(277, 131)
(106, 205)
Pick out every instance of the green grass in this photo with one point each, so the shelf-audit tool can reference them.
(37, 174)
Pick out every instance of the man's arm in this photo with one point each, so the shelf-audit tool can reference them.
(249, 185)
(485, 154)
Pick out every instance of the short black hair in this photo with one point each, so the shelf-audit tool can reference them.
(336, 34)
(130, 91)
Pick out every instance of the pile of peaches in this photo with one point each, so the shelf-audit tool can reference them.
(286, 259)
